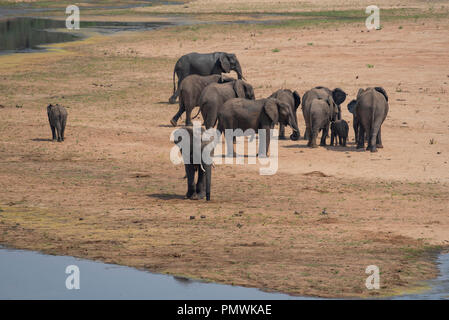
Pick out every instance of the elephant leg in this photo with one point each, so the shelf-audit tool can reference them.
(208, 180)
(63, 129)
(332, 138)
(340, 140)
(190, 173)
(267, 141)
(379, 139)
(53, 132)
(372, 139)
(313, 135)
(344, 142)
(282, 132)
(200, 192)
(58, 130)
(307, 134)
(361, 138)
(174, 120)
(229, 145)
(189, 117)
(324, 136)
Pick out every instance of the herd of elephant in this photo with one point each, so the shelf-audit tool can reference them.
(231, 104)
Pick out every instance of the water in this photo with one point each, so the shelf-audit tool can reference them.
(31, 275)
(28, 34)
(439, 286)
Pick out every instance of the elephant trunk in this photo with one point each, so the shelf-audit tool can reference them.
(294, 124)
(238, 69)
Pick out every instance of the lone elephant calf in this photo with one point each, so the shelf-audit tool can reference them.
(57, 116)
(197, 155)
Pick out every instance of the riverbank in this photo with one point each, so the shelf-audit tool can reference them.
(109, 192)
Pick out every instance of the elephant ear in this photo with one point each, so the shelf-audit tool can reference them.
(297, 98)
(225, 64)
(382, 90)
(271, 109)
(339, 96)
(351, 106)
(239, 89)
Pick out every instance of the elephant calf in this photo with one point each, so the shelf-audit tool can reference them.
(57, 116)
(190, 92)
(185, 141)
(339, 130)
(370, 111)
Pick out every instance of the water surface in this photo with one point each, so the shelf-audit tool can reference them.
(31, 275)
(24, 34)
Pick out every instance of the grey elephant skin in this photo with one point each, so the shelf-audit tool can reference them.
(293, 100)
(247, 114)
(337, 95)
(339, 132)
(370, 110)
(319, 109)
(204, 64)
(215, 95)
(190, 92)
(57, 117)
(202, 187)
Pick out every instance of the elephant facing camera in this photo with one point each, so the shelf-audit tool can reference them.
(197, 150)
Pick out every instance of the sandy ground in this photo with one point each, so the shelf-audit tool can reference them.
(110, 193)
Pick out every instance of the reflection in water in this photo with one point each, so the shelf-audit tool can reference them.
(27, 34)
(24, 34)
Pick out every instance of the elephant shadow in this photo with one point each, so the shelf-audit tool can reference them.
(41, 140)
(296, 146)
(166, 196)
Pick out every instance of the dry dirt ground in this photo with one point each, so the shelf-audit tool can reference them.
(110, 192)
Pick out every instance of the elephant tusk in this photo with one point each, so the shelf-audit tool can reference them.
(202, 168)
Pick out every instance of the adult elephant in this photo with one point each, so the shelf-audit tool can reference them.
(337, 95)
(321, 113)
(215, 95)
(190, 92)
(293, 100)
(204, 64)
(247, 114)
(370, 109)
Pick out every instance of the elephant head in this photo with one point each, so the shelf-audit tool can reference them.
(228, 62)
(280, 112)
(339, 97)
(244, 90)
